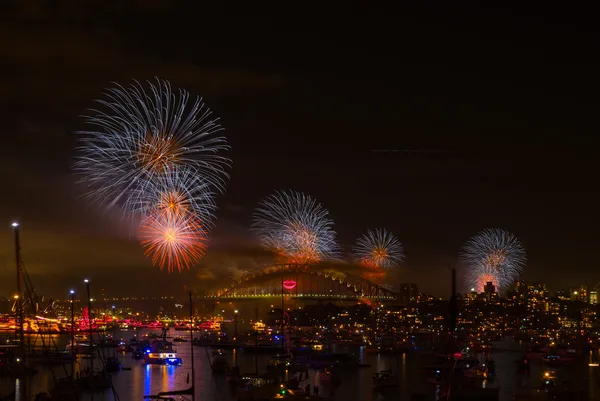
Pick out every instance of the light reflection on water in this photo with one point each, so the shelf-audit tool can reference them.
(356, 384)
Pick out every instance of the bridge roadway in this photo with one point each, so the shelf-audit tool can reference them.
(338, 297)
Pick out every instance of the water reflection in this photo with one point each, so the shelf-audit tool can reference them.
(147, 380)
(18, 390)
(356, 384)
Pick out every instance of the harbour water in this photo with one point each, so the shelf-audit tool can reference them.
(355, 384)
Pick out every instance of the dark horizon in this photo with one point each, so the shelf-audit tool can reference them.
(434, 123)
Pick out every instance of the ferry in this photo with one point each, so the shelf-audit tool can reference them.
(161, 352)
(162, 356)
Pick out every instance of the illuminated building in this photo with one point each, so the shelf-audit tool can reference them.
(583, 293)
(408, 293)
(489, 292)
(563, 295)
(594, 297)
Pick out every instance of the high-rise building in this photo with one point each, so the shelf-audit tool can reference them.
(408, 292)
(583, 293)
(489, 292)
(594, 297)
(520, 287)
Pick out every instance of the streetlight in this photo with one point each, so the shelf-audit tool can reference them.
(236, 324)
(19, 298)
(235, 350)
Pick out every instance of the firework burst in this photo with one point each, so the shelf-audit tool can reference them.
(295, 226)
(138, 136)
(493, 255)
(178, 191)
(379, 249)
(173, 240)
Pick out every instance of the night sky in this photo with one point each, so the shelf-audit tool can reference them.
(434, 123)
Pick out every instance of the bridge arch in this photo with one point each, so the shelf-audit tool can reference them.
(352, 286)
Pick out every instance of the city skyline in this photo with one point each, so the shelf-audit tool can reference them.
(426, 138)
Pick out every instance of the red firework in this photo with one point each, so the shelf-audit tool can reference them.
(485, 278)
(173, 240)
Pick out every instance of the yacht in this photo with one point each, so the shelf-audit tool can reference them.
(162, 353)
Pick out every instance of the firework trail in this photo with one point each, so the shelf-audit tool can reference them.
(379, 249)
(493, 255)
(295, 226)
(136, 136)
(173, 240)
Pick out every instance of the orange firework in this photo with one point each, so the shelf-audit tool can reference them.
(303, 245)
(379, 251)
(158, 154)
(173, 201)
(495, 258)
(173, 240)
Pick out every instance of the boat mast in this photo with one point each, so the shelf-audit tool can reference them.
(19, 296)
(192, 345)
(282, 316)
(453, 310)
(73, 349)
(89, 301)
(452, 315)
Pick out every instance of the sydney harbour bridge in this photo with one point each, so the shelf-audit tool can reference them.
(302, 281)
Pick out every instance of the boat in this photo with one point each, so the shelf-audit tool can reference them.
(80, 348)
(162, 353)
(82, 337)
(258, 387)
(339, 360)
(553, 359)
(384, 378)
(263, 345)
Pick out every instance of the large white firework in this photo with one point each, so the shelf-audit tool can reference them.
(295, 226)
(493, 255)
(138, 135)
(379, 249)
